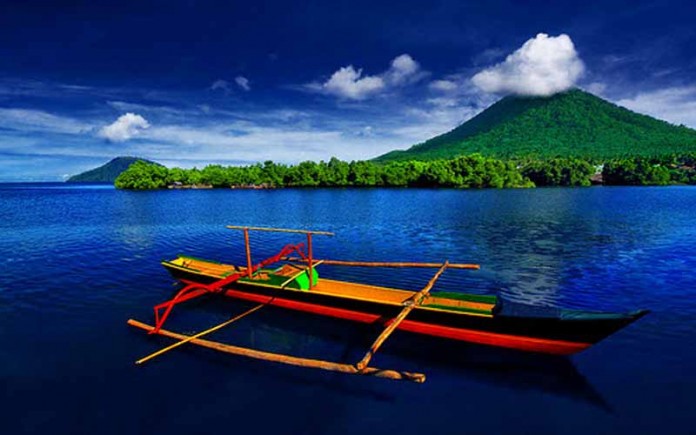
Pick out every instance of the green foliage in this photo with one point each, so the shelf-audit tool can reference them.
(364, 174)
(570, 124)
(469, 171)
(473, 171)
(336, 173)
(559, 172)
(643, 171)
(143, 176)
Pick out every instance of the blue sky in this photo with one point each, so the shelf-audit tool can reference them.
(192, 83)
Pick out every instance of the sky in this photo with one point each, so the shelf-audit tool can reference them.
(191, 83)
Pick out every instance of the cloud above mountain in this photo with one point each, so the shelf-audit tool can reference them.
(124, 128)
(543, 66)
(675, 104)
(350, 83)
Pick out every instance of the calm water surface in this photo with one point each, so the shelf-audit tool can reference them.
(78, 261)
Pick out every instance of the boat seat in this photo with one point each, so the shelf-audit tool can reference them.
(287, 270)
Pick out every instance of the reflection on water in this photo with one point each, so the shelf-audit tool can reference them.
(280, 331)
(76, 263)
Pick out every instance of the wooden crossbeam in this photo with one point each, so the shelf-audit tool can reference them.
(411, 303)
(287, 359)
(279, 230)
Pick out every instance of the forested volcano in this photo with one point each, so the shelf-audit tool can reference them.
(108, 172)
(570, 124)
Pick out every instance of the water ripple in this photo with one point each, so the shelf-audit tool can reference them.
(75, 263)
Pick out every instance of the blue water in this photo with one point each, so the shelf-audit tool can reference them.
(78, 261)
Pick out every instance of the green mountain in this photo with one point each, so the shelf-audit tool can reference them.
(107, 172)
(570, 124)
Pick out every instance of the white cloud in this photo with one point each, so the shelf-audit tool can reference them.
(124, 128)
(188, 132)
(544, 65)
(424, 124)
(366, 131)
(442, 85)
(403, 70)
(220, 85)
(242, 82)
(350, 83)
(319, 138)
(283, 135)
(252, 143)
(40, 121)
(676, 104)
(443, 102)
(487, 56)
(596, 88)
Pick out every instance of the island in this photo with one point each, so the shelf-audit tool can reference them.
(109, 171)
(573, 138)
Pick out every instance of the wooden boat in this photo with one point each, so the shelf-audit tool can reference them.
(488, 320)
(294, 283)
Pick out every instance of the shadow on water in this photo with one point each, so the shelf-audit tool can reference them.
(282, 331)
(499, 367)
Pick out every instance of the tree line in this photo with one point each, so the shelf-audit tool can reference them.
(472, 171)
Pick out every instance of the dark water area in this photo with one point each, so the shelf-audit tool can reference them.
(78, 261)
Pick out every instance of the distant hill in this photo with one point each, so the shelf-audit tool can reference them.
(108, 172)
(570, 124)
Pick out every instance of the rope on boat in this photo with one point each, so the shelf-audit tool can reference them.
(200, 334)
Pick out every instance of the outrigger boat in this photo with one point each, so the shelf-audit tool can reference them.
(292, 282)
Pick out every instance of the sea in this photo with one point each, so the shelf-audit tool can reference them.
(78, 261)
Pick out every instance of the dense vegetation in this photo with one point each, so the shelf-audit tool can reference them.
(570, 124)
(473, 171)
(559, 172)
(651, 171)
(469, 171)
(108, 172)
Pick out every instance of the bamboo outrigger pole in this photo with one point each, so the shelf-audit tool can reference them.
(287, 359)
(200, 334)
(411, 303)
(387, 264)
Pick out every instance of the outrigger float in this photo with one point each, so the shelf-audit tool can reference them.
(292, 282)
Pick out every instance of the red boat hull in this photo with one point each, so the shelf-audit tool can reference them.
(517, 342)
(529, 344)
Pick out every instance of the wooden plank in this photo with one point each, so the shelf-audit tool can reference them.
(279, 230)
(390, 264)
(412, 303)
(432, 299)
(287, 359)
(200, 334)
